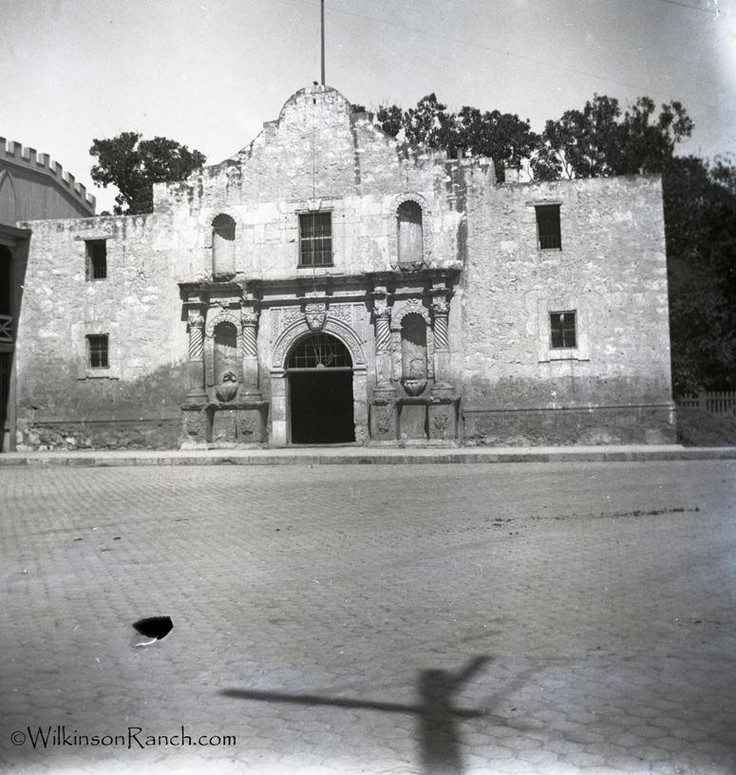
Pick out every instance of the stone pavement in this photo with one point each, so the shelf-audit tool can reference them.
(547, 619)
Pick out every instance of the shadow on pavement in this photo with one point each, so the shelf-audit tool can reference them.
(439, 736)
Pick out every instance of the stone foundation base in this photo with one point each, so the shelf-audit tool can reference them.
(62, 434)
(649, 424)
(429, 418)
(223, 424)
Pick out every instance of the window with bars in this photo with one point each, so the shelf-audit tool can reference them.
(97, 351)
(562, 328)
(319, 351)
(549, 234)
(315, 239)
(96, 259)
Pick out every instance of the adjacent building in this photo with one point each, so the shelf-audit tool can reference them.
(31, 186)
(329, 284)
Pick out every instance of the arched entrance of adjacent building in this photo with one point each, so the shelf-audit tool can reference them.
(320, 374)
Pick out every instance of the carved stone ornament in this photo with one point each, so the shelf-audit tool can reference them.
(247, 427)
(315, 313)
(195, 318)
(229, 387)
(440, 306)
(249, 316)
(383, 421)
(195, 424)
(441, 421)
(414, 386)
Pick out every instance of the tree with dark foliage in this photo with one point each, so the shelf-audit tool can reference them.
(133, 165)
(503, 137)
(602, 140)
(700, 221)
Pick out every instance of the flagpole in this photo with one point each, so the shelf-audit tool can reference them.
(322, 4)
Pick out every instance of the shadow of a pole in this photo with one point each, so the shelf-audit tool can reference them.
(437, 716)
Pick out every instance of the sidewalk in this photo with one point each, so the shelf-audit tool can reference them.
(353, 454)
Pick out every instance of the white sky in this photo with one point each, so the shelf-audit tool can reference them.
(208, 73)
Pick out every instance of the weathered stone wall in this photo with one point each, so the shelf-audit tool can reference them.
(137, 305)
(514, 388)
(611, 270)
(319, 154)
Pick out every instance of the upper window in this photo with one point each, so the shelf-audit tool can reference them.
(96, 259)
(97, 351)
(548, 227)
(562, 328)
(223, 245)
(315, 239)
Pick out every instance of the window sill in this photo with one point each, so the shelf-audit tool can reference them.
(99, 374)
(566, 357)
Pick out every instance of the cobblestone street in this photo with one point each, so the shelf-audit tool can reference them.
(410, 619)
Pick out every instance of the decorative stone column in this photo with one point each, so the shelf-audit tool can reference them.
(195, 423)
(195, 366)
(382, 322)
(440, 309)
(249, 319)
(383, 404)
(442, 409)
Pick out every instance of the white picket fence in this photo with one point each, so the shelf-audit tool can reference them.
(718, 402)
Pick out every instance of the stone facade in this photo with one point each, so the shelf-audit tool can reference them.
(329, 284)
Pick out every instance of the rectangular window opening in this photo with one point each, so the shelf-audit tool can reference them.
(548, 227)
(563, 330)
(97, 351)
(96, 259)
(315, 239)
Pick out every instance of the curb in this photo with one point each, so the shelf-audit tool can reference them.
(361, 457)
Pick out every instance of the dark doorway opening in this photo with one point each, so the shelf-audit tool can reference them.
(321, 391)
(321, 406)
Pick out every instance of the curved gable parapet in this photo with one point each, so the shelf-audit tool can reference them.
(310, 96)
(321, 149)
(293, 110)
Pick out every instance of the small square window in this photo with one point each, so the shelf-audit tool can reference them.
(315, 239)
(96, 259)
(97, 351)
(562, 330)
(548, 227)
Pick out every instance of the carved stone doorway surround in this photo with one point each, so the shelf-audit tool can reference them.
(312, 320)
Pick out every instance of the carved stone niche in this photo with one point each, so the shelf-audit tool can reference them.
(413, 353)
